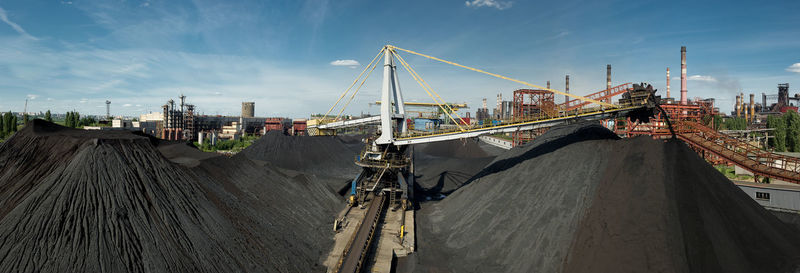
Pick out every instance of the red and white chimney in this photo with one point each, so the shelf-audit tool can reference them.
(683, 75)
(668, 82)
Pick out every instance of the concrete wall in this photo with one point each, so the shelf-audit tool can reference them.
(777, 197)
(501, 143)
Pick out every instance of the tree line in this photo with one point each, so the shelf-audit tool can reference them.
(786, 133)
(74, 120)
(8, 124)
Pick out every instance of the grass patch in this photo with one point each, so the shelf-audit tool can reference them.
(730, 173)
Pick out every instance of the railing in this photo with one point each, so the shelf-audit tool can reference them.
(601, 95)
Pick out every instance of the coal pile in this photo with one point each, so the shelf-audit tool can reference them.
(328, 158)
(83, 201)
(581, 200)
(443, 167)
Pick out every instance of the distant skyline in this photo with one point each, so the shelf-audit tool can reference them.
(294, 58)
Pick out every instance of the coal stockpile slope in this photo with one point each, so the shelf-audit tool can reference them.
(81, 201)
(460, 148)
(442, 167)
(327, 157)
(601, 205)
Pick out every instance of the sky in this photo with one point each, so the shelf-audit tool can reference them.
(295, 58)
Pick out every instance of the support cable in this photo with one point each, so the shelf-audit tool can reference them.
(351, 86)
(426, 88)
(451, 111)
(504, 77)
(359, 87)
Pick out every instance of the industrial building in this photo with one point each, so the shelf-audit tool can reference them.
(248, 109)
(178, 123)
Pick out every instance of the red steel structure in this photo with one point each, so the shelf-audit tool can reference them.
(604, 95)
(273, 124)
(761, 163)
(657, 127)
(530, 103)
(533, 103)
(299, 127)
(693, 124)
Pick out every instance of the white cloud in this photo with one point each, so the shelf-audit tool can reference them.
(15, 26)
(701, 78)
(127, 105)
(32, 96)
(138, 105)
(84, 100)
(794, 68)
(501, 5)
(350, 63)
(49, 99)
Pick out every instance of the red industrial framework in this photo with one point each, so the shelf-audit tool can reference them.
(532, 103)
(696, 110)
(761, 163)
(604, 95)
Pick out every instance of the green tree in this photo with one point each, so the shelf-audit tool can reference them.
(736, 123)
(72, 120)
(10, 124)
(25, 118)
(792, 120)
(14, 123)
(87, 121)
(2, 126)
(778, 142)
(48, 117)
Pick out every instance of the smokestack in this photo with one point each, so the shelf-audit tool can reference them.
(752, 106)
(738, 106)
(566, 90)
(668, 83)
(608, 80)
(548, 84)
(683, 75)
(741, 105)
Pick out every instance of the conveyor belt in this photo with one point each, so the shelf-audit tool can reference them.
(356, 250)
(751, 158)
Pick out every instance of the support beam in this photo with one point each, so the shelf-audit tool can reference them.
(387, 89)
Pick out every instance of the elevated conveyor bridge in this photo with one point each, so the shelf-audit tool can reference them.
(747, 156)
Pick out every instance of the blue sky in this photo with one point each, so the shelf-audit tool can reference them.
(66, 55)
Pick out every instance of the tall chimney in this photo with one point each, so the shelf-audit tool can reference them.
(683, 75)
(566, 90)
(752, 106)
(548, 84)
(668, 82)
(739, 104)
(608, 80)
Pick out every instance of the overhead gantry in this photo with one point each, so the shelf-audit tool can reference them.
(387, 177)
(393, 119)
